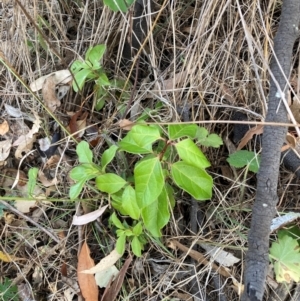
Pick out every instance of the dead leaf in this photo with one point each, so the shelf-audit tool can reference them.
(257, 130)
(227, 93)
(25, 146)
(4, 127)
(89, 217)
(5, 147)
(295, 108)
(8, 258)
(111, 292)
(59, 77)
(87, 283)
(104, 263)
(24, 206)
(126, 124)
(61, 91)
(171, 83)
(291, 140)
(104, 278)
(44, 180)
(49, 94)
(13, 112)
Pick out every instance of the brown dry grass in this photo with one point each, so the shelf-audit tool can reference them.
(207, 42)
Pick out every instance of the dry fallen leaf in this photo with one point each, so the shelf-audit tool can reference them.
(59, 77)
(171, 83)
(111, 292)
(89, 217)
(257, 130)
(87, 283)
(45, 181)
(126, 124)
(8, 258)
(49, 94)
(13, 112)
(4, 127)
(104, 278)
(104, 263)
(5, 147)
(25, 146)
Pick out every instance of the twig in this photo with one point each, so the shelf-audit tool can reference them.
(14, 210)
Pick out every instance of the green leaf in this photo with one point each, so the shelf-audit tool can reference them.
(212, 140)
(157, 215)
(114, 219)
(32, 176)
(139, 140)
(176, 131)
(286, 257)
(129, 203)
(80, 78)
(8, 291)
(103, 80)
(137, 229)
(201, 133)
(95, 54)
(244, 158)
(136, 247)
(195, 181)
(190, 153)
(110, 183)
(149, 181)
(85, 172)
(76, 189)
(108, 156)
(85, 155)
(118, 5)
(76, 66)
(120, 245)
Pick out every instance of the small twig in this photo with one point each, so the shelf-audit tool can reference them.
(14, 210)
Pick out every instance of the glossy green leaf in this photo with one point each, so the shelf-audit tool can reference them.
(95, 54)
(76, 189)
(108, 156)
(80, 78)
(149, 181)
(129, 203)
(103, 80)
(85, 155)
(244, 158)
(139, 140)
(189, 152)
(121, 242)
(195, 181)
(157, 215)
(136, 247)
(110, 183)
(32, 176)
(176, 131)
(286, 257)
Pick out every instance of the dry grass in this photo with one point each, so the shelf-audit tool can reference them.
(221, 73)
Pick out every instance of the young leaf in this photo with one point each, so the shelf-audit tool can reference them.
(191, 154)
(80, 78)
(195, 181)
(103, 80)
(114, 219)
(108, 155)
(136, 247)
(286, 257)
(32, 176)
(84, 153)
(84, 172)
(201, 133)
(212, 140)
(139, 139)
(129, 203)
(121, 242)
(137, 229)
(244, 158)
(118, 5)
(157, 215)
(95, 54)
(110, 183)
(176, 131)
(76, 189)
(149, 181)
